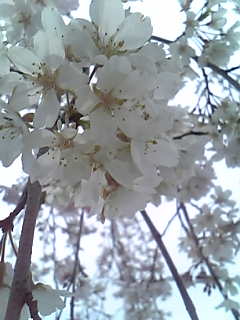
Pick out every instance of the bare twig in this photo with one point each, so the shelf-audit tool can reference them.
(160, 39)
(76, 264)
(233, 69)
(168, 224)
(12, 243)
(191, 133)
(2, 246)
(179, 282)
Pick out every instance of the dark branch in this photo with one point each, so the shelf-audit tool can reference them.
(233, 69)
(179, 282)
(76, 264)
(190, 133)
(224, 74)
(159, 39)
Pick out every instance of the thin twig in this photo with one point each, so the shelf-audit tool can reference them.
(191, 133)
(179, 282)
(3, 245)
(12, 243)
(160, 39)
(168, 224)
(76, 264)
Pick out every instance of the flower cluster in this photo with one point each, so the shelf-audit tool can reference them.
(87, 106)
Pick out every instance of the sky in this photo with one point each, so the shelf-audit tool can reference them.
(167, 23)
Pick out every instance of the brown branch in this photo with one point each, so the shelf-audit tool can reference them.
(21, 284)
(74, 274)
(179, 282)
(182, 206)
(224, 74)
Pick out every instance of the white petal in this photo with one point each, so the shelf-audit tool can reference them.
(124, 202)
(86, 100)
(39, 138)
(47, 112)
(134, 32)
(114, 72)
(103, 128)
(107, 15)
(157, 153)
(69, 77)
(19, 99)
(72, 167)
(24, 59)
(48, 300)
(10, 148)
(168, 85)
(4, 64)
(52, 22)
(124, 171)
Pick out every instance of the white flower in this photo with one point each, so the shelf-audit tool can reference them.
(149, 155)
(181, 49)
(62, 160)
(125, 203)
(217, 52)
(115, 31)
(12, 131)
(21, 19)
(46, 72)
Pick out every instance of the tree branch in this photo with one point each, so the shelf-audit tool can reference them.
(21, 285)
(186, 298)
(75, 269)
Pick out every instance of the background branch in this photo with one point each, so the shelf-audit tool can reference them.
(179, 282)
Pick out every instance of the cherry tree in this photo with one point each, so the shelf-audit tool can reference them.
(90, 107)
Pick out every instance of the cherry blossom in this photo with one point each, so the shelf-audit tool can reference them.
(92, 109)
